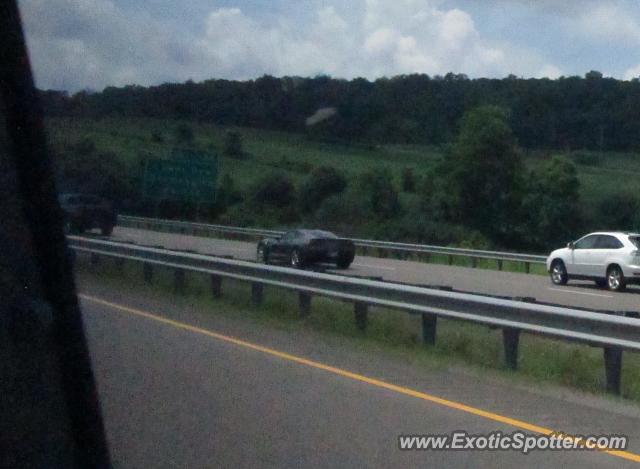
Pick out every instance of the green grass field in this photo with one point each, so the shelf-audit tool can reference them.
(132, 139)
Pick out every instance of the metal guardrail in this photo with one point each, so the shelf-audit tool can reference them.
(613, 332)
(402, 248)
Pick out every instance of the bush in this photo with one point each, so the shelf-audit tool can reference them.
(550, 206)
(379, 195)
(341, 213)
(184, 134)
(84, 147)
(323, 182)
(408, 180)
(274, 190)
(233, 145)
(586, 158)
(227, 193)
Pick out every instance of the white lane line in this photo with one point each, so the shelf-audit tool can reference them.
(374, 266)
(581, 293)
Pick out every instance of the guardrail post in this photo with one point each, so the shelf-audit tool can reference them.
(120, 263)
(216, 286)
(147, 272)
(527, 267)
(429, 322)
(382, 253)
(95, 259)
(179, 281)
(613, 368)
(499, 264)
(361, 309)
(474, 262)
(510, 339)
(304, 303)
(257, 293)
(450, 259)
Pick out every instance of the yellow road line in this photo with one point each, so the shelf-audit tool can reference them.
(520, 424)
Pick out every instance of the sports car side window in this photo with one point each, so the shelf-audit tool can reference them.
(289, 236)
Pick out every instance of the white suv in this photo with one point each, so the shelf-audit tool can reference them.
(612, 259)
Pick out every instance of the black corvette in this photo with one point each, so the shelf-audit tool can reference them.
(300, 248)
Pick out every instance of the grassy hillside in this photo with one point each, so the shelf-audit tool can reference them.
(130, 141)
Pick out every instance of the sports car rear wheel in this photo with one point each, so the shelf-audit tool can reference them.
(296, 259)
(262, 255)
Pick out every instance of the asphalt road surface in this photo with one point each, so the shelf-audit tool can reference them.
(576, 293)
(185, 388)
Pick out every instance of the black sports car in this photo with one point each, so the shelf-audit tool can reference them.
(303, 247)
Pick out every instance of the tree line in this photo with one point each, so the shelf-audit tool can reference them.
(590, 112)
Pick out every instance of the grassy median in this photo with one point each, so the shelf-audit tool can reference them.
(540, 360)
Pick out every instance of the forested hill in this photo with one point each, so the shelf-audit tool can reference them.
(588, 112)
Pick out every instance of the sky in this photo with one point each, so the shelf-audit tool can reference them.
(90, 44)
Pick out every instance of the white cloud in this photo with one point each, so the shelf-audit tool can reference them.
(609, 22)
(549, 71)
(94, 43)
(633, 72)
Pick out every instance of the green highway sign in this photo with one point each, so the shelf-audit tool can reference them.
(189, 176)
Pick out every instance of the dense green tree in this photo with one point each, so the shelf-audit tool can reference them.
(482, 173)
(379, 195)
(592, 112)
(275, 190)
(323, 182)
(550, 210)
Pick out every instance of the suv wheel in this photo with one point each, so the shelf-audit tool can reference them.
(615, 279)
(559, 273)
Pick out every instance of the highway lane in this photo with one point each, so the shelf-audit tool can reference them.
(178, 391)
(576, 293)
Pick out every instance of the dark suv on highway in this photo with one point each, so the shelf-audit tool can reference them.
(84, 212)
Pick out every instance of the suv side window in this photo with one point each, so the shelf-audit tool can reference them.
(587, 242)
(608, 242)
